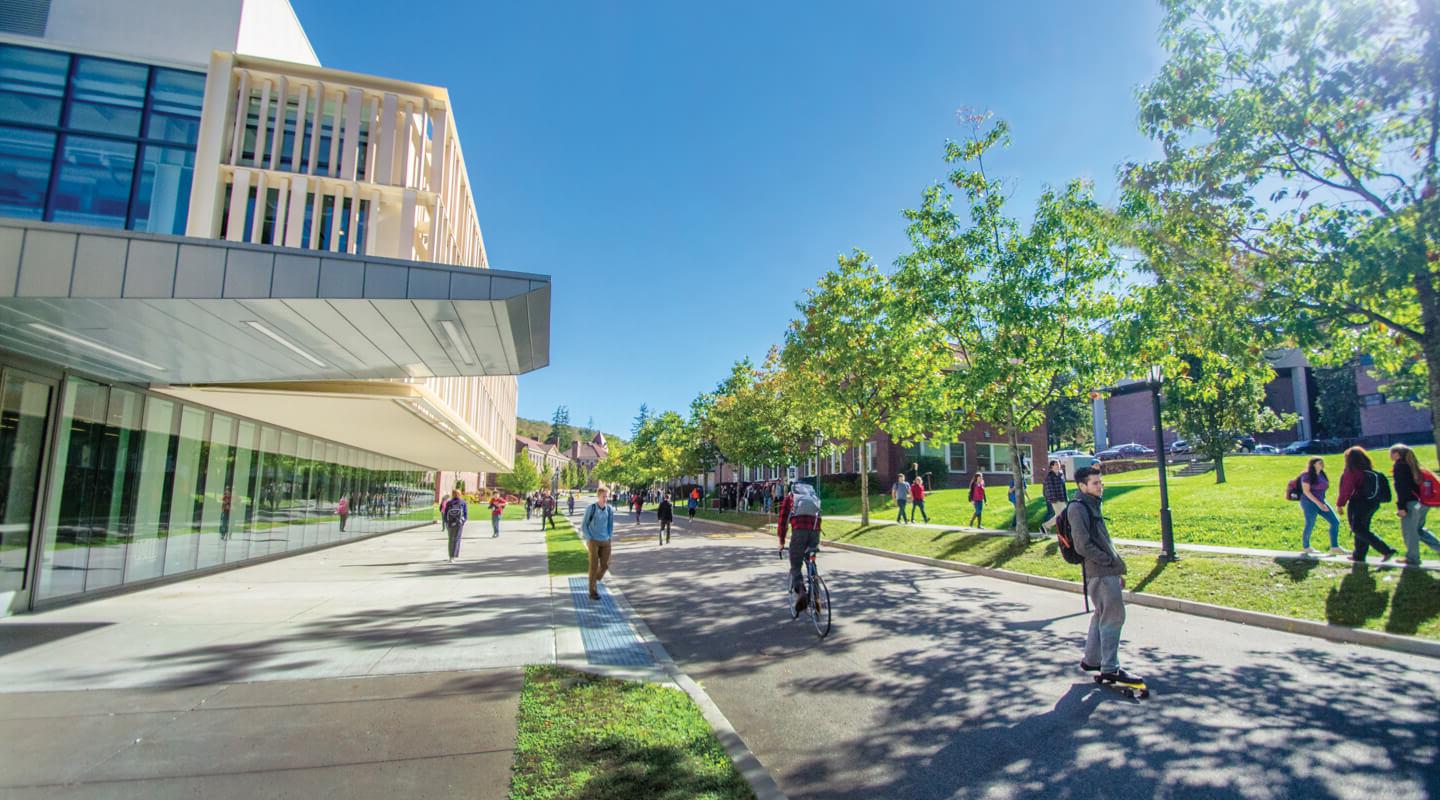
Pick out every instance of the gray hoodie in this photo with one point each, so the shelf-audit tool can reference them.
(1092, 539)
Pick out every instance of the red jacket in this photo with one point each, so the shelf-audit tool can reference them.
(806, 522)
(977, 493)
(1349, 484)
(917, 492)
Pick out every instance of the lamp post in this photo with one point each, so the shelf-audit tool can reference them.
(1167, 532)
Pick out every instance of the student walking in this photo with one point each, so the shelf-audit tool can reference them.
(497, 507)
(917, 499)
(547, 510)
(1363, 489)
(693, 502)
(342, 510)
(570, 505)
(639, 505)
(977, 499)
(1313, 484)
(455, 513)
(1412, 512)
(1104, 571)
(596, 529)
(225, 500)
(1055, 495)
(529, 505)
(901, 492)
(665, 513)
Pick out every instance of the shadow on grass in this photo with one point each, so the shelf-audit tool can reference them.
(1155, 571)
(1297, 568)
(1416, 601)
(1356, 599)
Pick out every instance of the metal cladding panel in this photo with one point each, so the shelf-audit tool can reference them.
(173, 310)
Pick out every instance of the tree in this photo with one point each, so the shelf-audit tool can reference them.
(1200, 322)
(1317, 124)
(758, 416)
(1027, 311)
(521, 480)
(561, 434)
(589, 428)
(547, 477)
(640, 420)
(1337, 406)
(617, 468)
(866, 362)
(1069, 422)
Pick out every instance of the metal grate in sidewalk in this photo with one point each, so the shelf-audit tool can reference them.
(607, 635)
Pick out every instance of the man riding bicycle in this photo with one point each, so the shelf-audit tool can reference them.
(800, 510)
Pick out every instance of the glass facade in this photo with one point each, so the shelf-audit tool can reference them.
(95, 141)
(146, 487)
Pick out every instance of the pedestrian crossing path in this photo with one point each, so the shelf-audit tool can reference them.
(609, 640)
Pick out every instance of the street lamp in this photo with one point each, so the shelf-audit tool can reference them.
(1167, 532)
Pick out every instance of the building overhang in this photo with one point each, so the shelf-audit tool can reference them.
(171, 310)
(402, 420)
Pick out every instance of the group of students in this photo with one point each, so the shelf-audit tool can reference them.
(1363, 490)
(911, 492)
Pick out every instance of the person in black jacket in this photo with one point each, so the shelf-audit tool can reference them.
(1407, 499)
(665, 512)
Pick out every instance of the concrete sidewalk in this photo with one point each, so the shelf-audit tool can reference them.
(373, 669)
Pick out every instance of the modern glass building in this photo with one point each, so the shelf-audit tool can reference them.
(245, 304)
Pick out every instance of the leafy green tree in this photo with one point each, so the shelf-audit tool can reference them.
(1069, 422)
(759, 416)
(1026, 311)
(861, 360)
(547, 477)
(1199, 321)
(640, 420)
(561, 434)
(1315, 124)
(521, 480)
(1337, 406)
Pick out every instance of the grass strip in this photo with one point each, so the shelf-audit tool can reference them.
(567, 554)
(583, 736)
(1359, 596)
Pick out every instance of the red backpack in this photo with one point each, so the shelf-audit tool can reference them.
(1429, 491)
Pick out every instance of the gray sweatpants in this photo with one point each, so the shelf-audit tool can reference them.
(800, 541)
(1102, 644)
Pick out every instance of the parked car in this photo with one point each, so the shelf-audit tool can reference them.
(1246, 443)
(1180, 446)
(1266, 450)
(1306, 447)
(1068, 454)
(1128, 450)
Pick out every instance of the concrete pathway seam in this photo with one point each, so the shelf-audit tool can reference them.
(1304, 627)
(759, 778)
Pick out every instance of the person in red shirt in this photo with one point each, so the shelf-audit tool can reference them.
(977, 498)
(806, 536)
(1356, 486)
(917, 498)
(497, 507)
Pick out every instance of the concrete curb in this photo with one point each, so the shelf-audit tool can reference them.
(755, 774)
(1304, 627)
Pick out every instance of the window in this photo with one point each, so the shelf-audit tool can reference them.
(25, 158)
(996, 457)
(811, 467)
(837, 461)
(32, 85)
(1372, 399)
(107, 96)
(869, 456)
(955, 454)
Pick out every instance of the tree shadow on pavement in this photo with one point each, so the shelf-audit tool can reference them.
(935, 686)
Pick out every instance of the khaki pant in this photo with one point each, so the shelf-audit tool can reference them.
(599, 561)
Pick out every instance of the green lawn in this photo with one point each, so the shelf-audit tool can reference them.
(583, 736)
(1379, 598)
(567, 554)
(1249, 510)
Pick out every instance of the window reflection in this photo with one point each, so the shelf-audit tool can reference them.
(93, 185)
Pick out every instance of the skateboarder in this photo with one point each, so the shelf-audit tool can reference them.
(1104, 579)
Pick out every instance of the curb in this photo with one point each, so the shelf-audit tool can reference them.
(749, 766)
(1303, 627)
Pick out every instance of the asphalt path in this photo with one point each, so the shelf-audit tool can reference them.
(937, 684)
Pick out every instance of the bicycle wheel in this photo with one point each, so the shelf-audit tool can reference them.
(820, 605)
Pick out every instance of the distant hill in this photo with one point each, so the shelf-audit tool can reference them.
(537, 429)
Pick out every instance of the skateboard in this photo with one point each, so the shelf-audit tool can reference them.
(1130, 689)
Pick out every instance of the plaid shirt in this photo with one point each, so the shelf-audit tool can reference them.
(1054, 487)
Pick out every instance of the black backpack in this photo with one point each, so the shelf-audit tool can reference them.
(454, 513)
(1374, 488)
(1064, 539)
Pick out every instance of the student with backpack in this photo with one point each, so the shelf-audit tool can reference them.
(800, 511)
(977, 498)
(665, 513)
(1313, 484)
(693, 502)
(1364, 490)
(597, 528)
(455, 513)
(497, 507)
(1104, 572)
(1416, 490)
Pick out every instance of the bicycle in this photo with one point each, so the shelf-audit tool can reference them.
(818, 606)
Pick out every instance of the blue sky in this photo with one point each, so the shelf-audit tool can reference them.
(685, 171)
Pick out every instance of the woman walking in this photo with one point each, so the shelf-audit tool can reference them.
(917, 499)
(1313, 484)
(977, 498)
(1360, 488)
(639, 505)
(1411, 511)
(693, 502)
(455, 513)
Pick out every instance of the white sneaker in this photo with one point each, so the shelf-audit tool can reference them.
(1309, 551)
(1339, 551)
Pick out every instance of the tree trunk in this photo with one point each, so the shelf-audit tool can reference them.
(864, 485)
(1022, 529)
(1220, 468)
(1430, 341)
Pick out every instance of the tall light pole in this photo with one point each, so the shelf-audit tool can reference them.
(1167, 532)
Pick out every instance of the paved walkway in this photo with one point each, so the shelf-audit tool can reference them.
(937, 684)
(373, 669)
